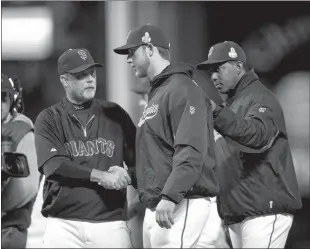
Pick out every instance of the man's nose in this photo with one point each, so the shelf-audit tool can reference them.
(129, 59)
(90, 78)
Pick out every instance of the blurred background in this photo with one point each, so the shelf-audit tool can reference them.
(274, 35)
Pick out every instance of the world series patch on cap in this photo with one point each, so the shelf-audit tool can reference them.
(223, 52)
(76, 60)
(144, 35)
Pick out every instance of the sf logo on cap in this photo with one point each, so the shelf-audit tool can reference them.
(82, 54)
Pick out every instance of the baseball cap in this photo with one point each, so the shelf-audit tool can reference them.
(75, 60)
(6, 85)
(144, 35)
(223, 52)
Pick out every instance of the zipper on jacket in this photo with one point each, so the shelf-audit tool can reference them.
(84, 128)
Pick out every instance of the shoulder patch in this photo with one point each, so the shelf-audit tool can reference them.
(192, 110)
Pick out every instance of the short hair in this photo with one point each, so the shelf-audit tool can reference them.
(244, 65)
(163, 52)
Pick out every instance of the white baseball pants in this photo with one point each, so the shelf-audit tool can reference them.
(269, 231)
(189, 229)
(213, 235)
(61, 233)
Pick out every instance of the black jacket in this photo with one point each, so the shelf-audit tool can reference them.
(265, 180)
(175, 142)
(70, 146)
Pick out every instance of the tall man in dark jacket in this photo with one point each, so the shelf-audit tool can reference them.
(263, 196)
(174, 145)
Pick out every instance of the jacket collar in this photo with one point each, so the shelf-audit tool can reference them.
(72, 108)
(159, 79)
(247, 79)
(180, 68)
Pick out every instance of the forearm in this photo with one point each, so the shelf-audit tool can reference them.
(250, 132)
(67, 170)
(187, 166)
(62, 167)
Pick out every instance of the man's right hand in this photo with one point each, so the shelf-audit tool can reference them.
(117, 178)
(121, 173)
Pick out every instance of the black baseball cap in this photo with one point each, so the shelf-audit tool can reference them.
(221, 53)
(6, 85)
(75, 60)
(144, 35)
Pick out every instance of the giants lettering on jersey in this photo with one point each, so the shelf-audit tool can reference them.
(90, 148)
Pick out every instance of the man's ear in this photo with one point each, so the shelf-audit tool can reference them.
(239, 66)
(150, 49)
(64, 80)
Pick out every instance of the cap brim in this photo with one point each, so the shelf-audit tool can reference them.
(124, 49)
(84, 67)
(209, 63)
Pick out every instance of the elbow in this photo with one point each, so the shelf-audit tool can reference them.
(267, 134)
(263, 140)
(50, 167)
(260, 135)
(190, 157)
(260, 139)
(269, 139)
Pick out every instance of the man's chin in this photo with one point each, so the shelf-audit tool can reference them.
(222, 91)
(89, 96)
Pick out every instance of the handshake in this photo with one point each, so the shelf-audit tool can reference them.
(115, 178)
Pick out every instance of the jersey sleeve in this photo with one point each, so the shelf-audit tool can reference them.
(188, 112)
(257, 130)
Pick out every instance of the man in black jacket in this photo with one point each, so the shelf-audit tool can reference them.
(174, 145)
(263, 196)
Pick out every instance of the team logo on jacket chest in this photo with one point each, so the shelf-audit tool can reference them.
(149, 113)
(89, 148)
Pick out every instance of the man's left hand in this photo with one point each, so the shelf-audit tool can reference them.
(164, 211)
